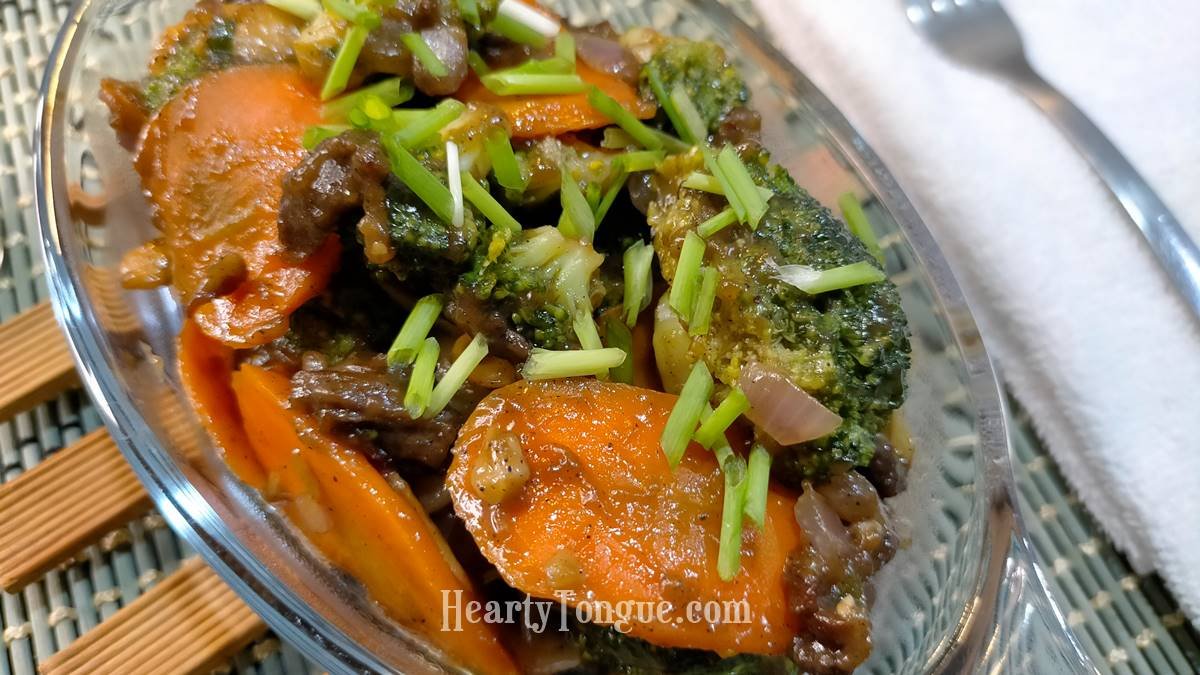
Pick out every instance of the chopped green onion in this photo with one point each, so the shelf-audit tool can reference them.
(352, 12)
(615, 138)
(640, 160)
(420, 320)
(470, 11)
(579, 216)
(726, 183)
(305, 9)
(375, 109)
(551, 66)
(507, 27)
(454, 180)
(610, 196)
(508, 83)
(813, 281)
(638, 280)
(701, 315)
(564, 47)
(421, 181)
(343, 63)
(593, 196)
(421, 130)
(420, 382)
(529, 17)
(685, 284)
(545, 364)
(456, 375)
(712, 429)
(671, 144)
(505, 165)
(706, 183)
(491, 209)
(317, 133)
(610, 108)
(856, 220)
(741, 182)
(729, 551)
(693, 129)
(757, 478)
(585, 330)
(477, 64)
(421, 51)
(686, 413)
(654, 78)
(618, 335)
(717, 223)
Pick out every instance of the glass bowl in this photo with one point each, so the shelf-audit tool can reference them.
(963, 596)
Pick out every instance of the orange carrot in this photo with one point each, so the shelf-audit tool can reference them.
(534, 116)
(602, 515)
(213, 161)
(369, 527)
(205, 367)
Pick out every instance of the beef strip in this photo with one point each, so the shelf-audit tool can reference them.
(473, 317)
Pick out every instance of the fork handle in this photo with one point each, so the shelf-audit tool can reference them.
(1176, 251)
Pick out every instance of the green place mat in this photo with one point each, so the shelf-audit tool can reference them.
(1126, 622)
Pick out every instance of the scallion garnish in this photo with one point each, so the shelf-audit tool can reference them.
(456, 375)
(505, 165)
(454, 181)
(420, 320)
(491, 209)
(664, 99)
(470, 11)
(426, 186)
(706, 183)
(353, 12)
(507, 27)
(729, 551)
(758, 475)
(739, 179)
(317, 133)
(686, 414)
(717, 223)
(671, 144)
(545, 364)
(727, 189)
(564, 47)
(421, 130)
(477, 64)
(712, 429)
(610, 196)
(615, 138)
(686, 282)
(813, 281)
(578, 215)
(618, 335)
(420, 382)
(701, 316)
(691, 126)
(508, 83)
(521, 23)
(421, 51)
(305, 9)
(640, 160)
(343, 62)
(610, 108)
(638, 280)
(856, 220)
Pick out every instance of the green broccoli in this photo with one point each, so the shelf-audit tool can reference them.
(848, 348)
(701, 68)
(206, 45)
(604, 650)
(429, 251)
(542, 281)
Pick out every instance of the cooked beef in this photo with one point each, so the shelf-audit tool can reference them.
(438, 24)
(599, 46)
(472, 317)
(343, 176)
(888, 470)
(739, 126)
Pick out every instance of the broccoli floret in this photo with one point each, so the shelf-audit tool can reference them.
(541, 280)
(712, 83)
(604, 650)
(429, 251)
(848, 348)
(205, 45)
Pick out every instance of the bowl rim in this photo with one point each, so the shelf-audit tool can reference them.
(192, 518)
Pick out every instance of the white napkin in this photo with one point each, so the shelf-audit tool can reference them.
(1072, 304)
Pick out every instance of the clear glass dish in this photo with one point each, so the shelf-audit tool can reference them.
(964, 596)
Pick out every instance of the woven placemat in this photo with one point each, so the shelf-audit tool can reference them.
(1128, 623)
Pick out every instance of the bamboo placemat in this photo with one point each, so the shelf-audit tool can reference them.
(1126, 622)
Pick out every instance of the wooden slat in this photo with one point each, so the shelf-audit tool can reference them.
(37, 362)
(190, 622)
(63, 504)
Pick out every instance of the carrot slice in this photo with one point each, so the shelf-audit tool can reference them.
(205, 368)
(213, 161)
(602, 502)
(534, 116)
(374, 530)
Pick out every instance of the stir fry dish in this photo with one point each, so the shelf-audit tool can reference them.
(504, 313)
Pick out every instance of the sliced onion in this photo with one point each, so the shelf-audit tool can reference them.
(605, 55)
(784, 411)
(822, 526)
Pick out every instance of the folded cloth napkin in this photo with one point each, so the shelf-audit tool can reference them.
(1071, 303)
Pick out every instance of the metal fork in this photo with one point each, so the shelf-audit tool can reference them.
(979, 34)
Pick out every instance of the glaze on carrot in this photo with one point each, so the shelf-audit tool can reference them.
(212, 161)
(365, 525)
(602, 515)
